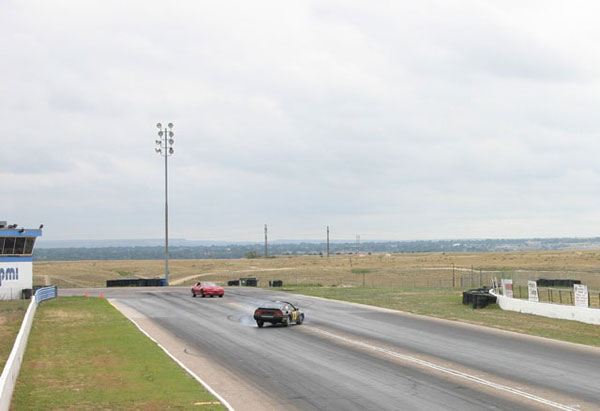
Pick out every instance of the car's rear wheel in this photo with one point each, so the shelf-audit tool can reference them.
(212, 295)
(260, 323)
(300, 319)
(202, 293)
(285, 322)
(221, 296)
(193, 294)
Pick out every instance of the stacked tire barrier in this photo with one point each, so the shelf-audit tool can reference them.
(275, 283)
(543, 282)
(248, 282)
(136, 282)
(478, 298)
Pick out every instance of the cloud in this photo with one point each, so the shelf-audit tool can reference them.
(397, 120)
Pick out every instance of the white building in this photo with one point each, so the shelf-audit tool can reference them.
(16, 260)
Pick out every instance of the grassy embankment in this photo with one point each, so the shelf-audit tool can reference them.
(83, 354)
(11, 316)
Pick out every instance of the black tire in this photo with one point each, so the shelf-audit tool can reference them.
(212, 295)
(202, 293)
(193, 294)
(260, 323)
(285, 322)
(221, 296)
(300, 319)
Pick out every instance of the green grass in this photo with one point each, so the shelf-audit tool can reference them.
(11, 317)
(83, 354)
(447, 303)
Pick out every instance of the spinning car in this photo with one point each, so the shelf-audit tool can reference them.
(275, 312)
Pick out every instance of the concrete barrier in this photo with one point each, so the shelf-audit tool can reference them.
(13, 364)
(559, 311)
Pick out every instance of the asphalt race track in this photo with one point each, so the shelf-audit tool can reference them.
(353, 357)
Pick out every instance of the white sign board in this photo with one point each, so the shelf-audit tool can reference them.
(15, 275)
(507, 287)
(533, 291)
(581, 295)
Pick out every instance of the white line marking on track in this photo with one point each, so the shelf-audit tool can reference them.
(450, 371)
(196, 377)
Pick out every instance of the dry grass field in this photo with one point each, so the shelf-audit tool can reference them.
(377, 270)
(422, 283)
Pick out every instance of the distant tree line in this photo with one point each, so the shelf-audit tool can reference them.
(275, 249)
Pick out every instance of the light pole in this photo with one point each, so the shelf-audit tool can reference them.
(165, 149)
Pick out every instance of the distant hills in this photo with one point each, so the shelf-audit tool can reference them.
(159, 242)
(153, 249)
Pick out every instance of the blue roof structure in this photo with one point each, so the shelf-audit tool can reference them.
(17, 242)
(20, 232)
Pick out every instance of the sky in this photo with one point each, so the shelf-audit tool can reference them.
(391, 120)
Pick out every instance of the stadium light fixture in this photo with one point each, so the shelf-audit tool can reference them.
(165, 149)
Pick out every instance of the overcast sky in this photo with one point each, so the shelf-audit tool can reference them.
(385, 119)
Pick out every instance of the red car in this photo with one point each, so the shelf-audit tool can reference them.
(204, 288)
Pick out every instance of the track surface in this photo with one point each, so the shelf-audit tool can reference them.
(354, 357)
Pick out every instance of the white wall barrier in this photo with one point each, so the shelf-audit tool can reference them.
(563, 312)
(8, 379)
(13, 364)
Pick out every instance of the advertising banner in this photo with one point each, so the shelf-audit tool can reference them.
(533, 291)
(507, 287)
(581, 295)
(14, 277)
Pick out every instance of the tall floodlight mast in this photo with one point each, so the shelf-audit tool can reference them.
(165, 148)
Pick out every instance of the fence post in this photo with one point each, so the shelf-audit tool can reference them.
(559, 295)
(549, 295)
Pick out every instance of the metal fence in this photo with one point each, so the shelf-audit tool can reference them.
(45, 293)
(590, 278)
(557, 295)
(521, 277)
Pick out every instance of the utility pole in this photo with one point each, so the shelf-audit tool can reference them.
(266, 241)
(357, 244)
(327, 241)
(453, 278)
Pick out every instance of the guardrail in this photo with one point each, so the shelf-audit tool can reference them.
(8, 379)
(45, 293)
(13, 364)
(551, 310)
